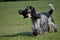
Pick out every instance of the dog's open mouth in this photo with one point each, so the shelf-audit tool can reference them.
(29, 15)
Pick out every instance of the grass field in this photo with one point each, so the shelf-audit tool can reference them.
(14, 27)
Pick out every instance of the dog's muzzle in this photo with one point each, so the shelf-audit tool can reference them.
(29, 15)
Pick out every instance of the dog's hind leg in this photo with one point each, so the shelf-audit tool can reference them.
(52, 25)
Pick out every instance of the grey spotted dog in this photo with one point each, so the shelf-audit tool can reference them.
(41, 22)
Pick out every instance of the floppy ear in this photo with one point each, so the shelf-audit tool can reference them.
(20, 12)
(33, 9)
(23, 13)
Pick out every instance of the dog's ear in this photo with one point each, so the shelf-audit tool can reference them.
(33, 10)
(20, 12)
(23, 13)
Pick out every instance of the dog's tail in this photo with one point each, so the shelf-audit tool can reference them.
(51, 9)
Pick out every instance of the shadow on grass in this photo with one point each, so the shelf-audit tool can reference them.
(18, 34)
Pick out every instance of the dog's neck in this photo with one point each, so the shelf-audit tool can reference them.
(34, 18)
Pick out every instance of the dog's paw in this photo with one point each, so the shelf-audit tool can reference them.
(35, 33)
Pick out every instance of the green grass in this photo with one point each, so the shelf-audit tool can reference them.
(14, 27)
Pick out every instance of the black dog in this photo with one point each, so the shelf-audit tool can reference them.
(40, 22)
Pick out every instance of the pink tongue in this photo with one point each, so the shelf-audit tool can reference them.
(29, 15)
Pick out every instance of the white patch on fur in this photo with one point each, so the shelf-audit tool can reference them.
(51, 24)
(51, 6)
(29, 15)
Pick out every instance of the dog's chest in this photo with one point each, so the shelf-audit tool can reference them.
(36, 23)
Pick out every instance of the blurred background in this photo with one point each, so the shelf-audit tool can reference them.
(14, 27)
(18, 0)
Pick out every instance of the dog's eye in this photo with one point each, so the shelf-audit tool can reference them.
(28, 11)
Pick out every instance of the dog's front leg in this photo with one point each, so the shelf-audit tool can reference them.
(36, 27)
